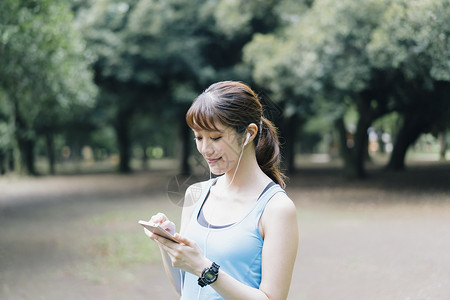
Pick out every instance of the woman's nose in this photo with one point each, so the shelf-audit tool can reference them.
(207, 148)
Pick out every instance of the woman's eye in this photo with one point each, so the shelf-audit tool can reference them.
(199, 138)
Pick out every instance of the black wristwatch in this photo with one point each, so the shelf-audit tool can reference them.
(209, 275)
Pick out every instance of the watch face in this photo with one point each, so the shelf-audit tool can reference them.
(209, 275)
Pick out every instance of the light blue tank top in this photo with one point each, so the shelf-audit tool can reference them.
(236, 248)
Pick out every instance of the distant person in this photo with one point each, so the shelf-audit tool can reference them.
(239, 240)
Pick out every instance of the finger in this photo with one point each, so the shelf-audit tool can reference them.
(164, 247)
(183, 240)
(150, 234)
(155, 219)
(158, 218)
(162, 216)
(168, 250)
(168, 226)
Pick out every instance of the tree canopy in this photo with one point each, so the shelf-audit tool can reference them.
(378, 56)
(44, 72)
(82, 68)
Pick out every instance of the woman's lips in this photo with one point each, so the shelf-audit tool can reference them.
(212, 160)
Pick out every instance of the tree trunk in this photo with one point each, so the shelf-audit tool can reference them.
(408, 134)
(123, 141)
(185, 147)
(353, 157)
(2, 162)
(10, 160)
(381, 143)
(289, 132)
(144, 157)
(24, 142)
(360, 149)
(443, 145)
(27, 157)
(344, 151)
(49, 142)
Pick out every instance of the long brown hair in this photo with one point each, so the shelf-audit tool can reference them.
(234, 104)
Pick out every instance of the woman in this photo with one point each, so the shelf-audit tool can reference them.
(239, 240)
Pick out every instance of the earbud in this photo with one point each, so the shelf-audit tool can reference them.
(247, 138)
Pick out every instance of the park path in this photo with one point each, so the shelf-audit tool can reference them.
(386, 238)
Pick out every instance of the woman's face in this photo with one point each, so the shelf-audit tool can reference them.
(221, 149)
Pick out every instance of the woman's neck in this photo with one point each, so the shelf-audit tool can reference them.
(246, 174)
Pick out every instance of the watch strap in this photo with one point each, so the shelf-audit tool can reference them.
(203, 281)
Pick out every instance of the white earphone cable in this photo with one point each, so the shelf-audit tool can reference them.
(209, 223)
(237, 167)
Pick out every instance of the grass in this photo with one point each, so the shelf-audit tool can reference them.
(116, 244)
(117, 253)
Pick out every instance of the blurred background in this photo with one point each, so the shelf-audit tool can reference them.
(93, 96)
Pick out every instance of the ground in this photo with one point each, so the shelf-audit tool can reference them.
(77, 237)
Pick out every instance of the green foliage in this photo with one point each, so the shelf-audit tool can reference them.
(154, 57)
(330, 59)
(322, 52)
(45, 67)
(374, 55)
(43, 54)
(414, 37)
(141, 41)
(338, 48)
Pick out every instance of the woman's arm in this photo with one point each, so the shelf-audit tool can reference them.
(175, 275)
(279, 229)
(280, 232)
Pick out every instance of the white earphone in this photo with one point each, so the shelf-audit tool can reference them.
(247, 138)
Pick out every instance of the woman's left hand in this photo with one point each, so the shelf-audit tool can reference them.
(186, 255)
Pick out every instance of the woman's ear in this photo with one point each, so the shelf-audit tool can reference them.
(252, 129)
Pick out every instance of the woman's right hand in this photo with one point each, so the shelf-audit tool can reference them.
(164, 222)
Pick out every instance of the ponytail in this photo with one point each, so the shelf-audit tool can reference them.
(268, 152)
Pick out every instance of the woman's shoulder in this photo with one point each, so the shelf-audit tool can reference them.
(280, 207)
(279, 214)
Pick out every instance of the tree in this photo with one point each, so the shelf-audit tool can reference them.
(330, 56)
(6, 134)
(270, 57)
(143, 49)
(158, 55)
(413, 41)
(322, 58)
(44, 71)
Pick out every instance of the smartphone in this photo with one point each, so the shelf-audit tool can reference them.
(158, 230)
